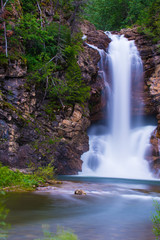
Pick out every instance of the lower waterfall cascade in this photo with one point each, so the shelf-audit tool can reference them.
(117, 149)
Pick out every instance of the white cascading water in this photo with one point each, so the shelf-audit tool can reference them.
(120, 152)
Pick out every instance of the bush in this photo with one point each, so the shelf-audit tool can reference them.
(117, 14)
(3, 214)
(11, 178)
(51, 54)
(20, 180)
(156, 220)
(46, 173)
(149, 20)
(60, 235)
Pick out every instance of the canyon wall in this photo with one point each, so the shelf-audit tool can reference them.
(29, 136)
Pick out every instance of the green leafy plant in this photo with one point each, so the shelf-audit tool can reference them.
(18, 180)
(156, 220)
(49, 49)
(117, 14)
(51, 52)
(11, 178)
(3, 214)
(28, 5)
(46, 173)
(149, 20)
(60, 235)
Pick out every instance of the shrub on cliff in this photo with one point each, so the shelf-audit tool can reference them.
(149, 20)
(44, 44)
(51, 52)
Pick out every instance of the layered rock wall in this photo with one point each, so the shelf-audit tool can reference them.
(28, 136)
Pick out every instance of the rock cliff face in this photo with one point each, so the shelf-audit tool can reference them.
(27, 135)
(88, 62)
(154, 90)
(150, 57)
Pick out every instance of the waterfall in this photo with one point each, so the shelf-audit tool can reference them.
(120, 151)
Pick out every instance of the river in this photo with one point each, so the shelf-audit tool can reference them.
(112, 209)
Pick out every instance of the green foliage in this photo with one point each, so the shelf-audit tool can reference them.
(149, 20)
(3, 59)
(156, 221)
(72, 89)
(40, 44)
(49, 51)
(69, 7)
(77, 91)
(3, 214)
(107, 15)
(60, 235)
(116, 14)
(10, 178)
(17, 179)
(46, 173)
(29, 5)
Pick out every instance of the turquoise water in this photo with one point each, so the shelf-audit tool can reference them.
(113, 209)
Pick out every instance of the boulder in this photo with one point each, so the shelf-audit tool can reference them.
(79, 192)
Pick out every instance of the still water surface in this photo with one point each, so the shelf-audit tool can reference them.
(113, 209)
